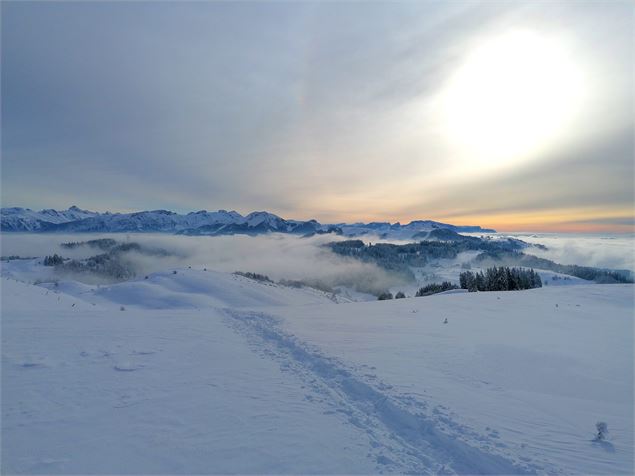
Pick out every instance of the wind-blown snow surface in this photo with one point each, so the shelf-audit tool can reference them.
(234, 375)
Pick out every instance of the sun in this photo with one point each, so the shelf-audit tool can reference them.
(514, 95)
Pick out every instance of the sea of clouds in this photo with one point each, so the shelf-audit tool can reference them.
(278, 256)
(303, 259)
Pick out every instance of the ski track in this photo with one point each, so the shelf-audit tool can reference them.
(402, 438)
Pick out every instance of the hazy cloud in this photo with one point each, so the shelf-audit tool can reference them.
(310, 110)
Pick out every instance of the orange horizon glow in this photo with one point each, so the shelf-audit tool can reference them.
(552, 221)
(563, 228)
(563, 221)
(547, 224)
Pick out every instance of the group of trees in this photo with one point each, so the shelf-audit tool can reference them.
(254, 276)
(11, 257)
(388, 295)
(101, 243)
(500, 279)
(385, 296)
(441, 244)
(114, 264)
(107, 265)
(444, 243)
(54, 260)
(435, 288)
(493, 279)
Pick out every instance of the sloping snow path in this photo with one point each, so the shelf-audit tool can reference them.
(404, 439)
(88, 390)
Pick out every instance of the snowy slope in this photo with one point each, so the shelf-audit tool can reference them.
(207, 372)
(194, 289)
(172, 289)
(526, 374)
(88, 390)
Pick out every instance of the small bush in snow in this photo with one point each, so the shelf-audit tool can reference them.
(400, 295)
(384, 296)
(122, 308)
(602, 430)
(174, 272)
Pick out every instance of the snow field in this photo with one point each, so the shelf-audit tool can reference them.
(209, 372)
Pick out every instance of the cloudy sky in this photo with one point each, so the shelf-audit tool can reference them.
(512, 115)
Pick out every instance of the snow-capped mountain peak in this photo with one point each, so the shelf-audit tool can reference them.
(202, 222)
(25, 219)
(258, 218)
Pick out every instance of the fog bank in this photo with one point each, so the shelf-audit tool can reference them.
(275, 255)
(614, 251)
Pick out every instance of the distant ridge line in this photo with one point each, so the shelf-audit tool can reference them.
(203, 222)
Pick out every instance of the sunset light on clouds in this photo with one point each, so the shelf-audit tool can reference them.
(516, 116)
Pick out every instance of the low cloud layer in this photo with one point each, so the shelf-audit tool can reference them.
(601, 251)
(277, 256)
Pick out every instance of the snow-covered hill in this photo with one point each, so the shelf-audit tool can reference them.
(194, 289)
(205, 372)
(202, 222)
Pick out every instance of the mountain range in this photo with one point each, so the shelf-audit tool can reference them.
(212, 223)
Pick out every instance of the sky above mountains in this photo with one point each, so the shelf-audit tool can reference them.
(516, 116)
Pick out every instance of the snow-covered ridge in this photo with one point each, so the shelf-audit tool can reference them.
(410, 230)
(202, 222)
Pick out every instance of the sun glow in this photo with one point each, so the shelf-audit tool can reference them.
(515, 95)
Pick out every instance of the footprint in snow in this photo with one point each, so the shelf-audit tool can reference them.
(32, 365)
(127, 367)
(385, 460)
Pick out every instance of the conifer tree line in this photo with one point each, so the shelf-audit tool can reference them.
(435, 288)
(500, 279)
